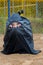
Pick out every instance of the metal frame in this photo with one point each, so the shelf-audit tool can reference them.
(8, 9)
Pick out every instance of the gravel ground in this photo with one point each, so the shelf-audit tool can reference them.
(23, 59)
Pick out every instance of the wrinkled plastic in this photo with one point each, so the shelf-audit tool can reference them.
(19, 39)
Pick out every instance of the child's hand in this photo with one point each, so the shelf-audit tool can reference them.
(10, 26)
(19, 25)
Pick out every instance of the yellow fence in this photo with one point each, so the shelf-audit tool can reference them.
(24, 0)
(32, 9)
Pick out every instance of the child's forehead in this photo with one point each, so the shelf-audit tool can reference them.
(15, 22)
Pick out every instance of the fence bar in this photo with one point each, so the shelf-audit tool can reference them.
(4, 7)
(36, 8)
(13, 6)
(8, 9)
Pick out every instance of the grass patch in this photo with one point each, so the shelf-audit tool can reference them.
(2, 25)
(37, 25)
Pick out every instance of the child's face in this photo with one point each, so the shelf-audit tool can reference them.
(15, 24)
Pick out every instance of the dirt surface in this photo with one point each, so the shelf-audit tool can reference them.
(23, 59)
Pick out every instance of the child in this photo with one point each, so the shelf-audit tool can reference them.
(18, 36)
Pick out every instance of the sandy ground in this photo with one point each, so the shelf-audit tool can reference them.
(23, 59)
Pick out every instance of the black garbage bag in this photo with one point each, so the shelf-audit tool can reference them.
(19, 39)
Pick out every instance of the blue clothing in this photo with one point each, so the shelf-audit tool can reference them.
(19, 38)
